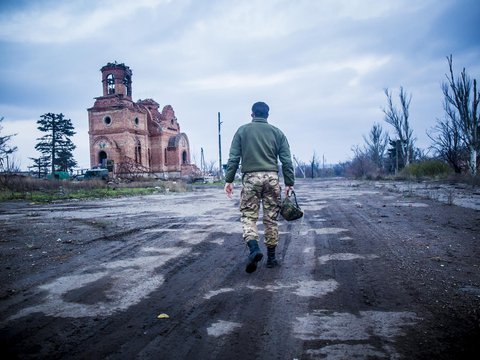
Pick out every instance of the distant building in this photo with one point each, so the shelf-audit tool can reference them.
(131, 137)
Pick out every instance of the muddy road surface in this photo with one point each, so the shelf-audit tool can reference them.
(368, 273)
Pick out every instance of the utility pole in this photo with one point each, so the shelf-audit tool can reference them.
(220, 173)
(202, 161)
(397, 144)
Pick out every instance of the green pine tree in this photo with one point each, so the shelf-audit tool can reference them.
(56, 144)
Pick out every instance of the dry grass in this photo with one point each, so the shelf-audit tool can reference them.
(29, 188)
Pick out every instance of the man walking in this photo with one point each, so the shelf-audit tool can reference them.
(259, 146)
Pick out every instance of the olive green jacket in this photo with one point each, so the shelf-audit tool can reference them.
(260, 145)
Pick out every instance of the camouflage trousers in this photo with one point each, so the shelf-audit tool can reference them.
(260, 188)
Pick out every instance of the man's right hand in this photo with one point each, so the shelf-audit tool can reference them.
(229, 189)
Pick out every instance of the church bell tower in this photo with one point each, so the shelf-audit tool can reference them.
(117, 80)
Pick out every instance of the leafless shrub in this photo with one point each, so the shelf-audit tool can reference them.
(450, 196)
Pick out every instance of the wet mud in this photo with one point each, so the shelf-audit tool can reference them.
(372, 271)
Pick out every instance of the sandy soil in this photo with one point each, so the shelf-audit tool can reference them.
(373, 271)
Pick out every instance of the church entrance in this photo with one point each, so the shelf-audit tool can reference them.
(102, 158)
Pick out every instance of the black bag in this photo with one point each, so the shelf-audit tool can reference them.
(289, 208)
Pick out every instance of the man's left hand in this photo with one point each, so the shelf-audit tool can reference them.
(287, 190)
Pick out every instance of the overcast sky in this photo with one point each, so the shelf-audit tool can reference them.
(321, 65)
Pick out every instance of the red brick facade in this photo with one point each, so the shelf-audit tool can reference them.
(135, 137)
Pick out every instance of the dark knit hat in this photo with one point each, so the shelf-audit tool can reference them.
(260, 109)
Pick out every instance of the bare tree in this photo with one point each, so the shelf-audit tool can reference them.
(399, 119)
(5, 149)
(448, 143)
(461, 106)
(211, 167)
(376, 144)
(362, 165)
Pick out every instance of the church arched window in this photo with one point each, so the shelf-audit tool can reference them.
(127, 81)
(184, 158)
(138, 152)
(110, 84)
(102, 158)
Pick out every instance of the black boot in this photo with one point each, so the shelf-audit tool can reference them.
(271, 261)
(254, 257)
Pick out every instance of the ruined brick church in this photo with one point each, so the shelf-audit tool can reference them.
(135, 138)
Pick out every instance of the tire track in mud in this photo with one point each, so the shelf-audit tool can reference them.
(356, 320)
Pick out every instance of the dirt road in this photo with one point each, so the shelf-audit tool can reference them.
(369, 273)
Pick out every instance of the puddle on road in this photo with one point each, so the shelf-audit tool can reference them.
(410, 204)
(311, 288)
(218, 241)
(325, 231)
(317, 220)
(131, 280)
(304, 288)
(313, 207)
(366, 326)
(322, 260)
(222, 327)
(213, 293)
(348, 351)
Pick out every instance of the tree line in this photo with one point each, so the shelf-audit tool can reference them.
(455, 138)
